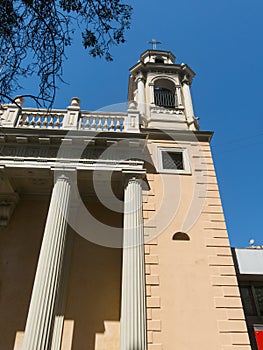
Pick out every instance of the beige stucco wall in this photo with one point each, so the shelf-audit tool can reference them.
(192, 293)
(93, 302)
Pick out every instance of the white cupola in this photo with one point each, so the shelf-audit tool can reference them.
(162, 90)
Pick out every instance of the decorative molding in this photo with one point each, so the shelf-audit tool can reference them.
(160, 110)
(140, 76)
(186, 80)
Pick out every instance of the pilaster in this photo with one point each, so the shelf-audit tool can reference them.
(8, 203)
(8, 199)
(133, 308)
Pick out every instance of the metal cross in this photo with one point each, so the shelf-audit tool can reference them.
(154, 43)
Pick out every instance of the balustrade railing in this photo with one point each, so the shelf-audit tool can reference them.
(31, 119)
(102, 122)
(71, 118)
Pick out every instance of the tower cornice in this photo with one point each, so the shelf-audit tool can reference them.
(158, 53)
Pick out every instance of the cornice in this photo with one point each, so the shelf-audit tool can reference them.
(163, 67)
(182, 135)
(55, 137)
(157, 52)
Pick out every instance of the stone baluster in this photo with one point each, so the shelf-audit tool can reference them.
(133, 308)
(40, 320)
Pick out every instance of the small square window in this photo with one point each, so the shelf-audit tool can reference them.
(173, 160)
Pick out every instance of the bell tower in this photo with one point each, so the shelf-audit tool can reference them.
(161, 88)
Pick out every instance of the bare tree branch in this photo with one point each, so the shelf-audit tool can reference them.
(34, 35)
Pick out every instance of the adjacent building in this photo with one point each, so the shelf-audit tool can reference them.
(249, 268)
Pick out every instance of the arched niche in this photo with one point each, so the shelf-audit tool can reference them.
(181, 236)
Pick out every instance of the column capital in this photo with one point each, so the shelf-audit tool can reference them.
(63, 173)
(62, 177)
(134, 177)
(186, 80)
(136, 174)
(140, 77)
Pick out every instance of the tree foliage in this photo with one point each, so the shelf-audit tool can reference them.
(35, 33)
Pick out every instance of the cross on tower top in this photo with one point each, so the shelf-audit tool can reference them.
(154, 43)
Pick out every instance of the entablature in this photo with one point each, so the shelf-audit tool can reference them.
(78, 150)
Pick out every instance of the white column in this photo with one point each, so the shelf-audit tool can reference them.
(151, 93)
(141, 93)
(189, 110)
(40, 318)
(62, 294)
(133, 308)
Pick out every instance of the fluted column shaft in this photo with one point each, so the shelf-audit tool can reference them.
(40, 318)
(61, 296)
(133, 308)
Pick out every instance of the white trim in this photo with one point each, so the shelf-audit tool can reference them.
(173, 78)
(78, 164)
(186, 161)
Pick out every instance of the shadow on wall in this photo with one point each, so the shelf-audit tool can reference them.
(19, 249)
(93, 296)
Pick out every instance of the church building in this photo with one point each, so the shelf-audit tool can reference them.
(113, 234)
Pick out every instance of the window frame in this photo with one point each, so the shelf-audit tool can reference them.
(185, 157)
(253, 297)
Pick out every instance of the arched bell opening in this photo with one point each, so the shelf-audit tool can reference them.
(164, 93)
(159, 60)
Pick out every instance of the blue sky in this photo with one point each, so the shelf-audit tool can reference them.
(222, 43)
